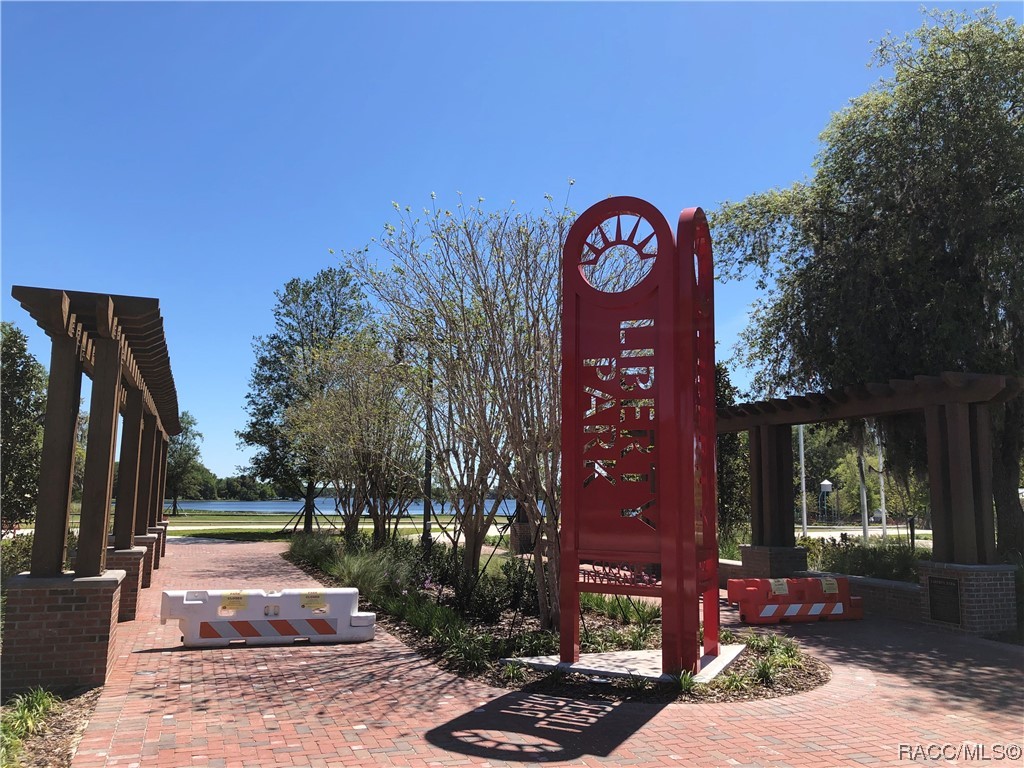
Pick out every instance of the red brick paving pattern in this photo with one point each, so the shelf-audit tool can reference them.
(381, 704)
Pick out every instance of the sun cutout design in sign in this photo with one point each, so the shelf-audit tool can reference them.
(613, 263)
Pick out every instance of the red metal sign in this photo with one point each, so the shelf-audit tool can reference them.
(638, 431)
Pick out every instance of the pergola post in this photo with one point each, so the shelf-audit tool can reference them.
(57, 465)
(128, 471)
(757, 513)
(981, 456)
(125, 555)
(938, 483)
(773, 551)
(147, 475)
(99, 455)
(157, 498)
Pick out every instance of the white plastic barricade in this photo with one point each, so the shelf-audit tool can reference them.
(219, 617)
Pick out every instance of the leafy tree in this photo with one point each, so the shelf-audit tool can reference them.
(902, 254)
(184, 468)
(732, 466)
(244, 488)
(825, 446)
(207, 483)
(22, 406)
(81, 441)
(309, 317)
(363, 433)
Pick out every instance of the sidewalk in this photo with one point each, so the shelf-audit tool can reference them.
(381, 704)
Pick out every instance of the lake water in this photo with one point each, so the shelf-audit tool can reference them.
(325, 505)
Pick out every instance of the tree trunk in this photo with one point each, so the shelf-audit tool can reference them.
(174, 505)
(1008, 445)
(309, 508)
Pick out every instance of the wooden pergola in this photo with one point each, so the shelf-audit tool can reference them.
(955, 407)
(118, 341)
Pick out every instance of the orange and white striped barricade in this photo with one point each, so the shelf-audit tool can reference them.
(220, 617)
(769, 601)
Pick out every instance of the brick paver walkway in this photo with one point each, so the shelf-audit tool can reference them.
(380, 704)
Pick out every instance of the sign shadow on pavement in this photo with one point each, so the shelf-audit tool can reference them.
(528, 726)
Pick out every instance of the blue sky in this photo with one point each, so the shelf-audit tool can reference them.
(205, 153)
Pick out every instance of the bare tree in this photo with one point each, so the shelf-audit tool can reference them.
(481, 292)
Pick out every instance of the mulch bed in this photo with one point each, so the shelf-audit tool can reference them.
(54, 745)
(809, 674)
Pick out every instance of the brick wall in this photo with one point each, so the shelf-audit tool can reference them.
(59, 632)
(729, 569)
(882, 597)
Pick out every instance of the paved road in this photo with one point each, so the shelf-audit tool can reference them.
(380, 703)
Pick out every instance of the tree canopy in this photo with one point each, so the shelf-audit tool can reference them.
(309, 317)
(185, 470)
(23, 381)
(902, 254)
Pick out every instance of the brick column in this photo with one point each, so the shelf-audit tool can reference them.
(59, 632)
(977, 599)
(132, 562)
(149, 543)
(156, 531)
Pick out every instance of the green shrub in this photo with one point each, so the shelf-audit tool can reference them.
(16, 554)
(534, 643)
(757, 642)
(469, 652)
(366, 572)
(639, 637)
(427, 616)
(23, 716)
(316, 549)
(488, 599)
(785, 653)
(513, 674)
(636, 683)
(890, 558)
(522, 589)
(764, 670)
(593, 642)
(686, 681)
(732, 681)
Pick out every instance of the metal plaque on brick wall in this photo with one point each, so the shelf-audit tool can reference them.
(944, 599)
